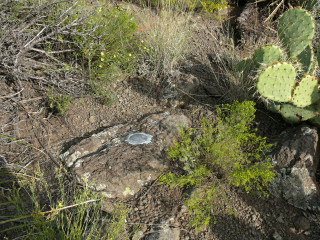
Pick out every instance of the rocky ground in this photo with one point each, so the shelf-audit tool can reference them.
(93, 141)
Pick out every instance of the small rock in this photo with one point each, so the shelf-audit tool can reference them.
(138, 235)
(179, 89)
(164, 233)
(293, 230)
(302, 224)
(92, 119)
(276, 236)
(307, 233)
(3, 162)
(280, 219)
(254, 217)
(184, 209)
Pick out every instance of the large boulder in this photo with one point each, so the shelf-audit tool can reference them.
(119, 160)
(297, 159)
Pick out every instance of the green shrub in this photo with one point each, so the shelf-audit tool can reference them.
(79, 45)
(183, 5)
(224, 152)
(106, 41)
(210, 6)
(58, 103)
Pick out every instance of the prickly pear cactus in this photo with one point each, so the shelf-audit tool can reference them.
(306, 92)
(306, 59)
(293, 114)
(296, 29)
(298, 99)
(276, 82)
(290, 87)
(267, 54)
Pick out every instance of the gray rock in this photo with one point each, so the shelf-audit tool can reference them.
(276, 236)
(114, 164)
(164, 232)
(138, 235)
(3, 162)
(301, 223)
(179, 89)
(297, 160)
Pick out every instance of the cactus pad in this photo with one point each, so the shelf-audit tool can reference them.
(267, 55)
(306, 92)
(293, 114)
(296, 29)
(306, 59)
(276, 82)
(245, 66)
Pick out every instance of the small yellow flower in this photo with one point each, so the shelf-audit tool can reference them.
(114, 56)
(142, 41)
(102, 59)
(100, 66)
(60, 205)
(102, 53)
(130, 54)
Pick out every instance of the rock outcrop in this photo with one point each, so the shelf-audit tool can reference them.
(297, 161)
(118, 161)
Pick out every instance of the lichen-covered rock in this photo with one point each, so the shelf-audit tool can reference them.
(179, 89)
(297, 160)
(114, 164)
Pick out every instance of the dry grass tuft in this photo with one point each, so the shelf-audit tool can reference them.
(165, 40)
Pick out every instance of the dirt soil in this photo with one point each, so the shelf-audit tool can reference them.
(25, 116)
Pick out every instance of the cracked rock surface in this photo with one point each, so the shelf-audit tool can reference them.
(119, 168)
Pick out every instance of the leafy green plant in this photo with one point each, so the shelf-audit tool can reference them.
(81, 45)
(57, 209)
(226, 151)
(58, 103)
(210, 6)
(107, 43)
